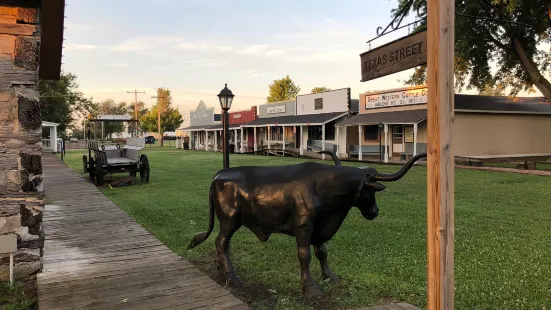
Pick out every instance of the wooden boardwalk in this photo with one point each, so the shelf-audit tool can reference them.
(98, 257)
(394, 306)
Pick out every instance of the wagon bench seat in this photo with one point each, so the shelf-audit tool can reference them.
(120, 161)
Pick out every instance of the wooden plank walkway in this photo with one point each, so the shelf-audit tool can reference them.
(393, 306)
(98, 257)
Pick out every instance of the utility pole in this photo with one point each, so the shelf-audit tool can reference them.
(136, 108)
(159, 115)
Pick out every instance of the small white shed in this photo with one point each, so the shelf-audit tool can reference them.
(51, 142)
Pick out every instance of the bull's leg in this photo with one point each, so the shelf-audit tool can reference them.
(321, 254)
(227, 228)
(304, 237)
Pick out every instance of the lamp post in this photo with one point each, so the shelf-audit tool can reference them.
(380, 144)
(226, 97)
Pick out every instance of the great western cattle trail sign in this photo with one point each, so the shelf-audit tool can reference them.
(399, 55)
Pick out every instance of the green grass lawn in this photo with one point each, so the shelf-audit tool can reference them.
(16, 297)
(502, 237)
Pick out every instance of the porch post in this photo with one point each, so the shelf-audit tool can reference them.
(301, 140)
(386, 143)
(414, 139)
(196, 139)
(206, 140)
(255, 144)
(360, 142)
(337, 140)
(242, 148)
(268, 136)
(283, 138)
(323, 140)
(216, 140)
(235, 141)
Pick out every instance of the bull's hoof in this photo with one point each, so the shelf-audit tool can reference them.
(333, 279)
(312, 289)
(233, 281)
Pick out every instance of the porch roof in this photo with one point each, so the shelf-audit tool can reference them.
(395, 117)
(295, 120)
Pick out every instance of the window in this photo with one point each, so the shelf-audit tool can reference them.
(397, 133)
(330, 131)
(276, 133)
(318, 104)
(371, 133)
(314, 132)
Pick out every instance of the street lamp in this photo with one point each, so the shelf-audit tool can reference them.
(226, 97)
(380, 146)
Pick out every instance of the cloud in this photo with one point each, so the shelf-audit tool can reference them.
(118, 65)
(70, 47)
(253, 73)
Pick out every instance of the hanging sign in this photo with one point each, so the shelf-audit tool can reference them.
(399, 55)
(275, 109)
(396, 98)
(114, 117)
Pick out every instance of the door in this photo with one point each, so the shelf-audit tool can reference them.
(298, 135)
(397, 140)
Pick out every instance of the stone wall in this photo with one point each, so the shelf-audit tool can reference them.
(21, 196)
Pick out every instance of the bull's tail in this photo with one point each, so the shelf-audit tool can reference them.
(336, 160)
(201, 237)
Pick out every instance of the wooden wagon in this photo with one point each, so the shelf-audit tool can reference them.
(115, 159)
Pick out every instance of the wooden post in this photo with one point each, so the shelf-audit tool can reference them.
(414, 139)
(216, 140)
(360, 155)
(269, 136)
(283, 154)
(323, 141)
(440, 168)
(386, 143)
(337, 139)
(301, 140)
(255, 143)
(236, 140)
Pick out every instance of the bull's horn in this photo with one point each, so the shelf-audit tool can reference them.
(336, 160)
(398, 175)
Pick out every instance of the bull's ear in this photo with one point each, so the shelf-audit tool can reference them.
(376, 186)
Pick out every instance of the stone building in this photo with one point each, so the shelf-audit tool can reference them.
(31, 36)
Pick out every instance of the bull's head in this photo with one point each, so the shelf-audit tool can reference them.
(366, 200)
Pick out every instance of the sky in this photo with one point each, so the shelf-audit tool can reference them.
(193, 47)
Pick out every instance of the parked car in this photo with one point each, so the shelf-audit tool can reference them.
(73, 139)
(150, 140)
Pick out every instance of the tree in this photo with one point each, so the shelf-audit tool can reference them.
(170, 118)
(282, 90)
(490, 90)
(142, 110)
(61, 102)
(320, 89)
(508, 34)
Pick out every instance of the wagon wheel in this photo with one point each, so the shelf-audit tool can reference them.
(91, 169)
(99, 174)
(85, 163)
(144, 168)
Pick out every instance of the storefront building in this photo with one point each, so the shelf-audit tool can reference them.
(393, 125)
(199, 119)
(307, 123)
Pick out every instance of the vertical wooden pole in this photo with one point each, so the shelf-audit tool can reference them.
(440, 169)
(360, 138)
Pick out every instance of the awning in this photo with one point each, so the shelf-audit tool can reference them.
(296, 120)
(396, 117)
(195, 128)
(219, 127)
